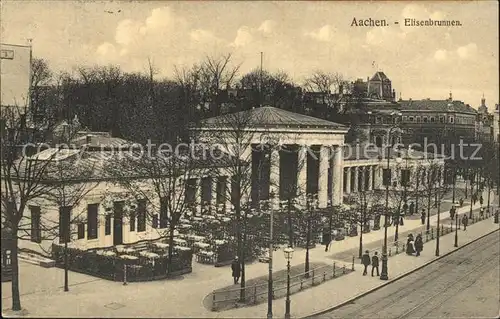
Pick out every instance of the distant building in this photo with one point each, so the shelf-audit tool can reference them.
(374, 109)
(496, 123)
(16, 75)
(484, 123)
(439, 121)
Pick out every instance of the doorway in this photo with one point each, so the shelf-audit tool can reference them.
(118, 223)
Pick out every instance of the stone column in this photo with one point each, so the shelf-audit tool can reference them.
(369, 170)
(197, 195)
(363, 178)
(378, 177)
(302, 171)
(323, 176)
(274, 178)
(356, 179)
(227, 198)
(213, 195)
(348, 180)
(337, 177)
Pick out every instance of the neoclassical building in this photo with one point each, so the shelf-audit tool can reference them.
(288, 155)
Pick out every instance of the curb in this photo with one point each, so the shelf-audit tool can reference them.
(395, 279)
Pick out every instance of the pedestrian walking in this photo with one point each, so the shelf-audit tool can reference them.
(474, 198)
(419, 244)
(465, 221)
(375, 263)
(365, 259)
(236, 270)
(412, 208)
(452, 212)
(481, 200)
(461, 202)
(422, 216)
(481, 212)
(410, 248)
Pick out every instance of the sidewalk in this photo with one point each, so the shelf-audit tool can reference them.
(183, 297)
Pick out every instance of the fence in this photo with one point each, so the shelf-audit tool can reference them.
(258, 293)
(444, 230)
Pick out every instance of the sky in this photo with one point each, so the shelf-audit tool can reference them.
(296, 37)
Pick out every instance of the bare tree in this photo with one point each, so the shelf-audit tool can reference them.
(216, 73)
(22, 179)
(160, 179)
(71, 178)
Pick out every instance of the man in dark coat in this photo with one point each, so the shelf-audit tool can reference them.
(419, 244)
(412, 208)
(465, 221)
(422, 217)
(452, 212)
(236, 270)
(481, 200)
(366, 262)
(375, 263)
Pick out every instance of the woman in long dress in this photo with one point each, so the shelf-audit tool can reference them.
(410, 245)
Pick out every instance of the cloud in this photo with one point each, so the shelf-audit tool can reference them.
(243, 37)
(267, 26)
(440, 55)
(468, 51)
(326, 33)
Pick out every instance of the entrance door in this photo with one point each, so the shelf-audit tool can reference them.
(118, 223)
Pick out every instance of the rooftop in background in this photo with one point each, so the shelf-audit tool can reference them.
(351, 152)
(99, 140)
(379, 76)
(436, 105)
(271, 117)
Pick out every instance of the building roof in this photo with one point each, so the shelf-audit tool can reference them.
(379, 76)
(436, 105)
(267, 117)
(95, 139)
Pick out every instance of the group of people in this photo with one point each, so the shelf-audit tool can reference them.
(414, 245)
(367, 261)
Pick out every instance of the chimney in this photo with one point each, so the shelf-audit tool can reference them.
(88, 139)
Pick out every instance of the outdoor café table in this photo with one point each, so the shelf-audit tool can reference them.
(129, 257)
(180, 242)
(149, 254)
(209, 217)
(198, 238)
(226, 219)
(182, 248)
(201, 245)
(197, 219)
(161, 245)
(184, 221)
(219, 242)
(186, 226)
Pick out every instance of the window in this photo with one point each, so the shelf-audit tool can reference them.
(418, 119)
(132, 221)
(425, 119)
(163, 212)
(441, 119)
(154, 223)
(107, 225)
(81, 230)
(378, 120)
(405, 118)
(451, 119)
(141, 215)
(64, 217)
(36, 231)
(433, 119)
(92, 211)
(411, 118)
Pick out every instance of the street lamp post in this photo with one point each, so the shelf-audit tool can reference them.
(470, 211)
(398, 212)
(456, 230)
(438, 213)
(271, 248)
(288, 256)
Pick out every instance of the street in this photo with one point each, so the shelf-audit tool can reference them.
(462, 284)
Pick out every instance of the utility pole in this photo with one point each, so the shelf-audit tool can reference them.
(261, 96)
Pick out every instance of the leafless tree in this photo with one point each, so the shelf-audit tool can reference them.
(22, 179)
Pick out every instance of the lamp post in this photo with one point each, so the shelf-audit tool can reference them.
(470, 211)
(456, 230)
(271, 248)
(396, 234)
(288, 256)
(387, 179)
(438, 213)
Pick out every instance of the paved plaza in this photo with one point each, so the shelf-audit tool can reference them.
(42, 293)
